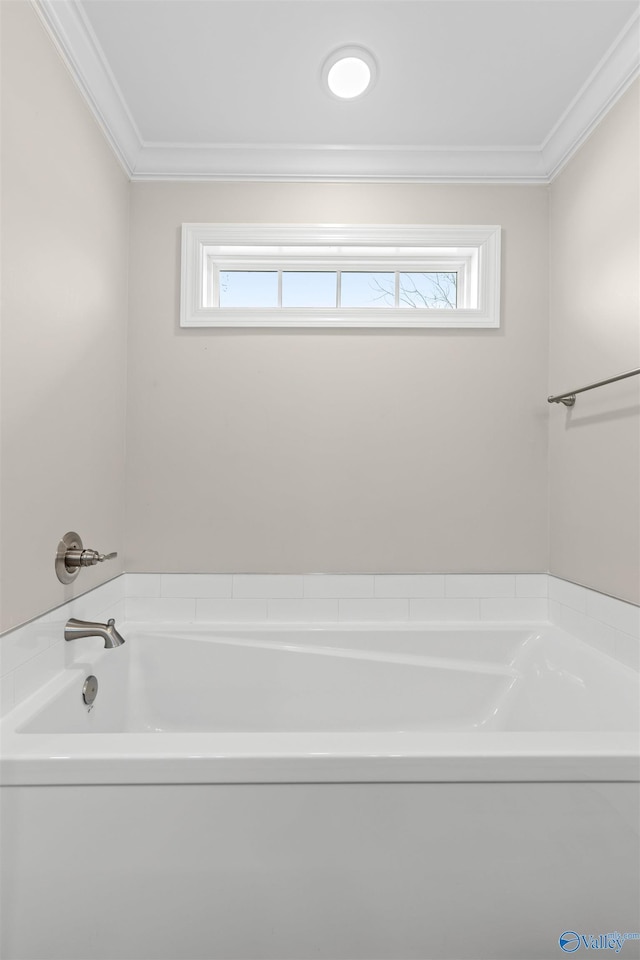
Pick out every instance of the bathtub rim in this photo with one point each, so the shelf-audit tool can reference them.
(326, 758)
(313, 757)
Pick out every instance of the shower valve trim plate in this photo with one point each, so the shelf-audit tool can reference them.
(71, 556)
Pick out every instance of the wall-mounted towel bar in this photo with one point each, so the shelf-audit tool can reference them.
(569, 398)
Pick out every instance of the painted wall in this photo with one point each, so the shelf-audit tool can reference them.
(64, 296)
(327, 451)
(594, 463)
(283, 451)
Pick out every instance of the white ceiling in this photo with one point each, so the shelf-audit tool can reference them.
(467, 89)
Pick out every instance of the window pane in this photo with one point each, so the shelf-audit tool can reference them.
(248, 288)
(367, 289)
(314, 289)
(431, 290)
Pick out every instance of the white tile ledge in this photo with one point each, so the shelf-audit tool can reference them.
(316, 586)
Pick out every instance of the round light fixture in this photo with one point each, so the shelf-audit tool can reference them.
(349, 72)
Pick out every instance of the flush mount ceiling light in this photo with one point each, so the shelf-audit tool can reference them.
(349, 72)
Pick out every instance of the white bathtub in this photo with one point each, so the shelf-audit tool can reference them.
(356, 793)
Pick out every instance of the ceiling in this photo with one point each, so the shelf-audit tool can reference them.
(493, 90)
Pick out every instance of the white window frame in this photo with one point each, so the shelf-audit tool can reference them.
(208, 248)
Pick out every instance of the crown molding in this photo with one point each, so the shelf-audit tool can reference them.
(613, 75)
(336, 163)
(73, 36)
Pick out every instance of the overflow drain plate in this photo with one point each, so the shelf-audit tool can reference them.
(90, 690)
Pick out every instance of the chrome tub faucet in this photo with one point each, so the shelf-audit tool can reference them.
(86, 628)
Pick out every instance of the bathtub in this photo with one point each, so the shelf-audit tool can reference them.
(289, 792)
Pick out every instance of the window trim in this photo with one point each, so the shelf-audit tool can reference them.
(200, 261)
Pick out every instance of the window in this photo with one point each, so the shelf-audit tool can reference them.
(280, 275)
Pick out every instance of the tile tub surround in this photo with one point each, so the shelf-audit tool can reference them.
(611, 625)
(33, 654)
(331, 598)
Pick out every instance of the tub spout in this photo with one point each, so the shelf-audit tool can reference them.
(86, 628)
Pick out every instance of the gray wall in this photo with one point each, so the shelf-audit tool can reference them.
(594, 462)
(308, 450)
(336, 450)
(64, 306)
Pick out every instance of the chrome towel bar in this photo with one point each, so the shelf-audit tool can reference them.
(569, 398)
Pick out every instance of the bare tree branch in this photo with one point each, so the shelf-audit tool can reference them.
(444, 287)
